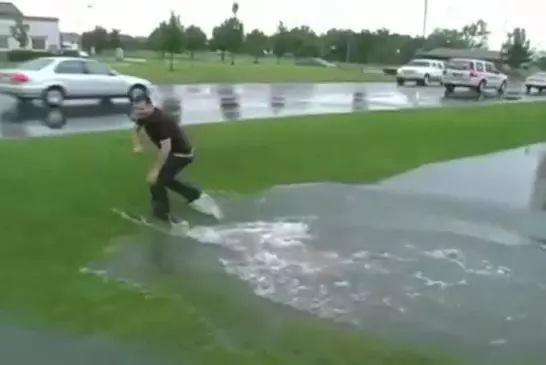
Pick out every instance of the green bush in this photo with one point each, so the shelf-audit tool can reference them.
(21, 55)
(389, 71)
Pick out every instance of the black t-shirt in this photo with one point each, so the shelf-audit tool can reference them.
(160, 126)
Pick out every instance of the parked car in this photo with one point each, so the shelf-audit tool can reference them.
(55, 79)
(473, 74)
(420, 71)
(536, 81)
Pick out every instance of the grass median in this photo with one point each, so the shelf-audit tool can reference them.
(56, 193)
(192, 72)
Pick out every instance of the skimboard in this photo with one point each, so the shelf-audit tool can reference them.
(179, 229)
(205, 205)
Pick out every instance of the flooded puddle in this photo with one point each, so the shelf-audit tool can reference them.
(448, 255)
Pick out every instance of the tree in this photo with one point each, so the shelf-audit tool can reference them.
(337, 45)
(303, 42)
(340, 45)
(218, 41)
(19, 31)
(171, 38)
(235, 36)
(234, 32)
(196, 39)
(156, 38)
(133, 43)
(228, 36)
(517, 48)
(281, 41)
(97, 38)
(256, 44)
(476, 34)
(114, 39)
(446, 38)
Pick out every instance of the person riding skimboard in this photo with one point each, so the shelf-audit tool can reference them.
(175, 152)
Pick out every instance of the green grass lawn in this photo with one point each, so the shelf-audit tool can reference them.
(244, 71)
(56, 193)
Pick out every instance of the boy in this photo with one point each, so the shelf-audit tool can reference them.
(175, 153)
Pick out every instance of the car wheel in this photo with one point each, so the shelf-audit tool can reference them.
(136, 91)
(55, 118)
(481, 87)
(449, 90)
(53, 96)
(400, 82)
(502, 88)
(540, 90)
(426, 80)
(528, 89)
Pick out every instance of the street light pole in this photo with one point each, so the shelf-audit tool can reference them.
(92, 23)
(425, 15)
(234, 12)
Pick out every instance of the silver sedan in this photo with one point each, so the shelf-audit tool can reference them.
(55, 79)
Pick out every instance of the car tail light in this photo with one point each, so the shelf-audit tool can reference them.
(20, 78)
(473, 74)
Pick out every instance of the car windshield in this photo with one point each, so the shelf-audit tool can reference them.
(419, 63)
(460, 65)
(35, 65)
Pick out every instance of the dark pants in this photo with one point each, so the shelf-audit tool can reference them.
(167, 179)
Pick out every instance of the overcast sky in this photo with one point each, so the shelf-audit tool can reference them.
(402, 16)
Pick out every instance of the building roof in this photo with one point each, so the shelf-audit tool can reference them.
(461, 53)
(42, 18)
(10, 11)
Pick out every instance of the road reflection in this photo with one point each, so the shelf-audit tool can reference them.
(196, 104)
(230, 104)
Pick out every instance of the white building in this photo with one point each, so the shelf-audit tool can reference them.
(71, 41)
(44, 32)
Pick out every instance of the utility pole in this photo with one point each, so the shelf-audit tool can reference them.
(425, 15)
(348, 45)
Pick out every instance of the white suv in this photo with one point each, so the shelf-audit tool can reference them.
(420, 71)
(473, 74)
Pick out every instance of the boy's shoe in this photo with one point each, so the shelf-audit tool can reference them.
(176, 225)
(206, 205)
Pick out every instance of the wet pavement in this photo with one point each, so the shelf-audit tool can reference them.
(448, 255)
(217, 103)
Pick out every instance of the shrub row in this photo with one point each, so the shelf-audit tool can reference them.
(389, 71)
(21, 55)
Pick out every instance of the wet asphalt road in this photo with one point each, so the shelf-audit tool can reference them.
(217, 103)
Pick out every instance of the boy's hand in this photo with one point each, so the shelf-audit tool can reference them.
(152, 176)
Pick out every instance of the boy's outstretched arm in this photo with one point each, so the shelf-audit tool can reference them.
(137, 143)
